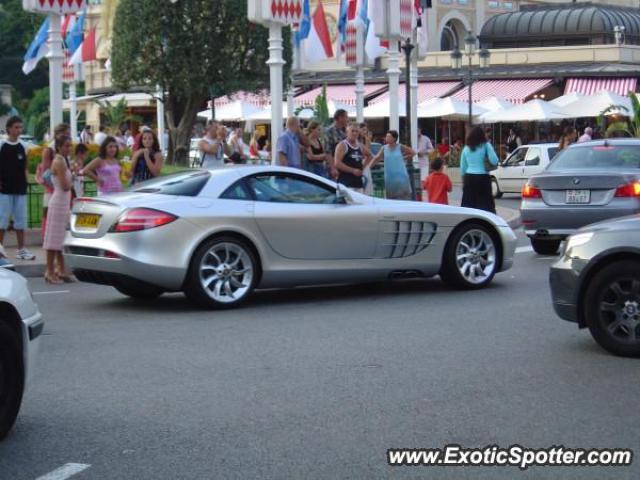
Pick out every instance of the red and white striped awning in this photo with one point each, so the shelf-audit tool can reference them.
(514, 91)
(341, 94)
(426, 91)
(589, 86)
(259, 99)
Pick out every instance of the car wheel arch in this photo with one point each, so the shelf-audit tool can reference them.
(10, 316)
(231, 233)
(596, 265)
(492, 230)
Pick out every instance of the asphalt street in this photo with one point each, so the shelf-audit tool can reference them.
(317, 383)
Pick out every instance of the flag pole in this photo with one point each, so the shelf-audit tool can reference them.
(73, 111)
(55, 57)
(275, 62)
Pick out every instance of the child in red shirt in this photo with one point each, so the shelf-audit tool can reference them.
(437, 184)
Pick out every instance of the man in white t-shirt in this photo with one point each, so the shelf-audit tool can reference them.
(425, 147)
(101, 136)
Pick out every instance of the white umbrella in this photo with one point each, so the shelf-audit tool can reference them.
(235, 111)
(594, 105)
(305, 114)
(448, 108)
(567, 99)
(264, 114)
(493, 104)
(381, 109)
(533, 111)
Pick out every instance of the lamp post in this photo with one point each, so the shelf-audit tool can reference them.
(274, 14)
(55, 10)
(469, 51)
(407, 48)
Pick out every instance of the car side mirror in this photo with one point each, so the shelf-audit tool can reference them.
(342, 194)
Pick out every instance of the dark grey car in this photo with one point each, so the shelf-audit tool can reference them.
(596, 283)
(586, 183)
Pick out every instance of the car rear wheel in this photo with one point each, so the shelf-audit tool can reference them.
(222, 274)
(11, 378)
(138, 290)
(612, 308)
(495, 188)
(470, 259)
(545, 247)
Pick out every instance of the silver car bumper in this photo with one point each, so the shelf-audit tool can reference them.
(541, 220)
(31, 334)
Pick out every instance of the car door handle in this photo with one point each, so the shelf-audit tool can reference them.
(249, 207)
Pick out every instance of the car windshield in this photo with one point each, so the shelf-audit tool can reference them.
(597, 157)
(187, 184)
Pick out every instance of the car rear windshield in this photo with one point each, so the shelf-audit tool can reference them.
(598, 157)
(186, 184)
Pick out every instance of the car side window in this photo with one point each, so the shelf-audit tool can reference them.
(533, 157)
(285, 188)
(517, 159)
(237, 191)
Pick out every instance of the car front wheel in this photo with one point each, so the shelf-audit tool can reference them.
(222, 274)
(471, 258)
(545, 247)
(612, 308)
(11, 378)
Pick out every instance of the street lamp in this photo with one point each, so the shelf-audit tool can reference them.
(469, 51)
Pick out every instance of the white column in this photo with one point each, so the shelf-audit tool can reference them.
(413, 83)
(73, 111)
(290, 105)
(275, 63)
(393, 72)
(160, 118)
(360, 94)
(55, 57)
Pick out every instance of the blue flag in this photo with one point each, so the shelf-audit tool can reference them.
(305, 25)
(38, 48)
(75, 35)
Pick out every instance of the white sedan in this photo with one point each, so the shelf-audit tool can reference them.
(21, 325)
(526, 161)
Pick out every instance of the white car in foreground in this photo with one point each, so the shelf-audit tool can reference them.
(526, 161)
(21, 325)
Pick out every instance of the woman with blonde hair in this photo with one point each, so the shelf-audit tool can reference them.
(316, 157)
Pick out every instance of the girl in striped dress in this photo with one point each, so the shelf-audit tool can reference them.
(58, 213)
(146, 162)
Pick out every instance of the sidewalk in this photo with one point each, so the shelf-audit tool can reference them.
(36, 268)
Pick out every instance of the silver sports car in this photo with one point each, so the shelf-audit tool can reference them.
(217, 235)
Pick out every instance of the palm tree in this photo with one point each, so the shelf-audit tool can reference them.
(116, 113)
(630, 128)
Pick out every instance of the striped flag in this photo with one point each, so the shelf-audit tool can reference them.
(87, 49)
(38, 48)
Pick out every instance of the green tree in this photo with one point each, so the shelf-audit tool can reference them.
(629, 128)
(36, 115)
(17, 29)
(189, 48)
(116, 114)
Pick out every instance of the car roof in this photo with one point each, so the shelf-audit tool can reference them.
(608, 141)
(545, 145)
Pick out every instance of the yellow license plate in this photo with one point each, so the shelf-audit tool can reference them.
(87, 220)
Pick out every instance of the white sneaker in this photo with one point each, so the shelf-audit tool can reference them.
(25, 254)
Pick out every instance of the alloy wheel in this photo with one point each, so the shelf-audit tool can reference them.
(476, 256)
(226, 272)
(619, 309)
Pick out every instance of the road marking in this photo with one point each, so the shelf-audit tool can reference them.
(51, 292)
(524, 249)
(65, 471)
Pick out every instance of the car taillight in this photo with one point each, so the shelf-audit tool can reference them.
(529, 191)
(142, 219)
(629, 190)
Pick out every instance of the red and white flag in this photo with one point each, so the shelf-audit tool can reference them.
(317, 46)
(87, 50)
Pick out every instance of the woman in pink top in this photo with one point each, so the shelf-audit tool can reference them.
(105, 168)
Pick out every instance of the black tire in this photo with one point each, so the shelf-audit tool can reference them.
(611, 327)
(140, 291)
(545, 247)
(450, 271)
(495, 188)
(11, 378)
(204, 297)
